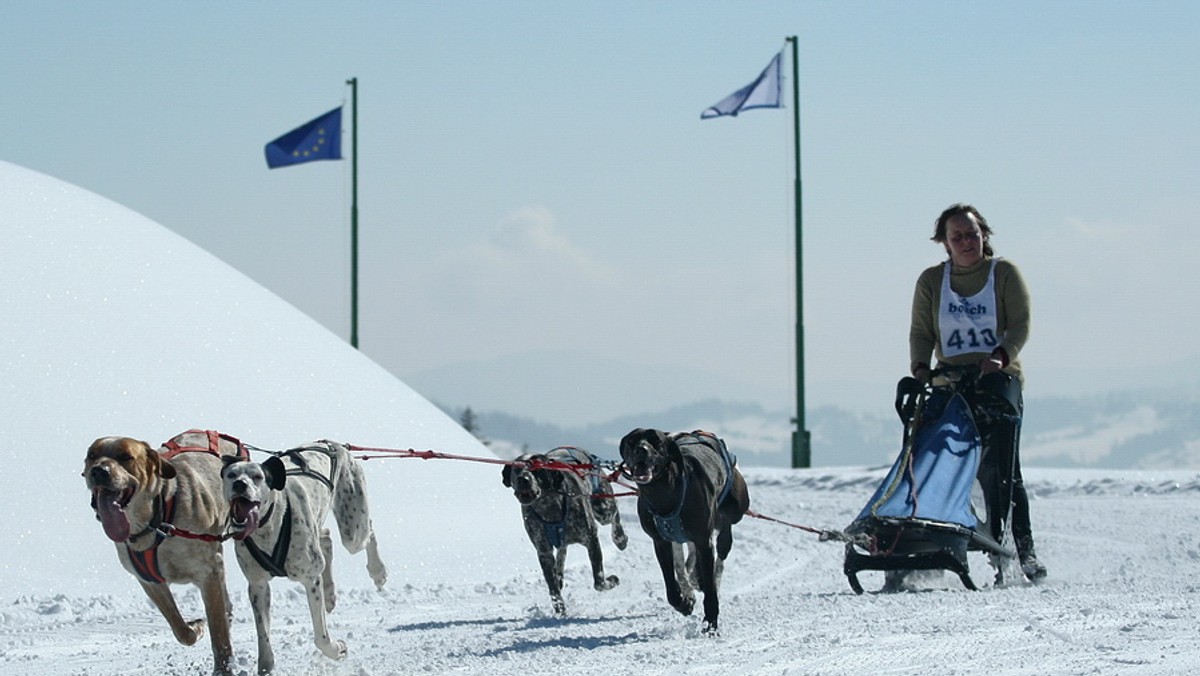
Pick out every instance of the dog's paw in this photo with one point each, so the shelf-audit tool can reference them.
(378, 575)
(560, 607)
(192, 633)
(709, 629)
(620, 540)
(334, 650)
(607, 583)
(685, 605)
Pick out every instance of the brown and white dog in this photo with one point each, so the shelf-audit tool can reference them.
(277, 517)
(164, 512)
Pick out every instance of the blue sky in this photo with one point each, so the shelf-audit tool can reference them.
(535, 177)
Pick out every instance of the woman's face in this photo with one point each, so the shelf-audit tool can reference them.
(964, 240)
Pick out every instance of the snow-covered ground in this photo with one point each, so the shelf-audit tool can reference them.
(1121, 598)
(109, 324)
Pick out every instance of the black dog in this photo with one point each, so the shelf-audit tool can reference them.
(689, 488)
(561, 507)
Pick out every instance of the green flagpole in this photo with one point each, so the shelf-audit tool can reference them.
(353, 82)
(801, 439)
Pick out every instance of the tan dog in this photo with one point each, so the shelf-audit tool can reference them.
(165, 513)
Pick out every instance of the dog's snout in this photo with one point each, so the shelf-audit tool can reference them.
(240, 486)
(100, 475)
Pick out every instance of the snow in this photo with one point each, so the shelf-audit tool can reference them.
(113, 325)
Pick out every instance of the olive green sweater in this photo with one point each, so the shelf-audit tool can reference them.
(1012, 315)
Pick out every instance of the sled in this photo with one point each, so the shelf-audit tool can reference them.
(948, 492)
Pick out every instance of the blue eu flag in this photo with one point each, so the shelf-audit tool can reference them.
(320, 139)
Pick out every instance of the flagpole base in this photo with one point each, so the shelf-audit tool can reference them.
(801, 449)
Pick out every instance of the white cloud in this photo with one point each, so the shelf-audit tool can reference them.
(529, 239)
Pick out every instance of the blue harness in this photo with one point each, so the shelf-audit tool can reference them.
(556, 531)
(670, 526)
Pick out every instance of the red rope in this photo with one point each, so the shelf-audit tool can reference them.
(370, 453)
(818, 531)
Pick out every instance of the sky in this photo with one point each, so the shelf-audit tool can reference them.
(99, 338)
(535, 182)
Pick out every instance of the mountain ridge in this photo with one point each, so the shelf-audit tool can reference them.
(1150, 428)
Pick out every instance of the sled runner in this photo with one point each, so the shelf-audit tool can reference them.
(948, 492)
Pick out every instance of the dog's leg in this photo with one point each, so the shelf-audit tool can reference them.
(596, 555)
(668, 562)
(685, 567)
(618, 532)
(375, 567)
(707, 574)
(330, 593)
(316, 607)
(185, 632)
(724, 539)
(217, 609)
(259, 591)
(560, 564)
(552, 573)
(724, 544)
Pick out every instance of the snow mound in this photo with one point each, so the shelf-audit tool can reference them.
(113, 324)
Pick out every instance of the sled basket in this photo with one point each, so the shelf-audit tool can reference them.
(923, 514)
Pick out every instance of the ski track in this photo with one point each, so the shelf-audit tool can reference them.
(1120, 599)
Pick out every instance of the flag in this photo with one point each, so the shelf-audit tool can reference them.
(320, 139)
(764, 92)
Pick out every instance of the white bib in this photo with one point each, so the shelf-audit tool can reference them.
(968, 325)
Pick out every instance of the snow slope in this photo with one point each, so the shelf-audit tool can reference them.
(111, 324)
(114, 325)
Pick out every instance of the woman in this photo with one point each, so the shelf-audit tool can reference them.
(973, 309)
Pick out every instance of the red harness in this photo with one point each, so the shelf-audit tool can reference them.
(145, 562)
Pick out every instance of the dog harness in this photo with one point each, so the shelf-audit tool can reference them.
(145, 562)
(556, 531)
(670, 526)
(274, 563)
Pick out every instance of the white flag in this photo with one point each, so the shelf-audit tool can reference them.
(764, 92)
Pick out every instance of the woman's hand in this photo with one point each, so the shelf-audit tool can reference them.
(921, 372)
(996, 361)
(990, 365)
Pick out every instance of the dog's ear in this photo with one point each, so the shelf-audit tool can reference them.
(160, 467)
(506, 476)
(672, 448)
(629, 441)
(227, 460)
(275, 473)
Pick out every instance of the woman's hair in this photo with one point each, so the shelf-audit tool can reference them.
(939, 230)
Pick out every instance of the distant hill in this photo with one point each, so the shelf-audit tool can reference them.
(1144, 429)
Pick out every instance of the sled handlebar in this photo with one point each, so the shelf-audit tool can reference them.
(993, 389)
(957, 377)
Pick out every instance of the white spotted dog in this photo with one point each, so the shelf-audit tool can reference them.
(277, 512)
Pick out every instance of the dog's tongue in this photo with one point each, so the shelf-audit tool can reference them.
(245, 514)
(112, 516)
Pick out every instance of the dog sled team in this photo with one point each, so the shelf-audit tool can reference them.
(168, 511)
(955, 486)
